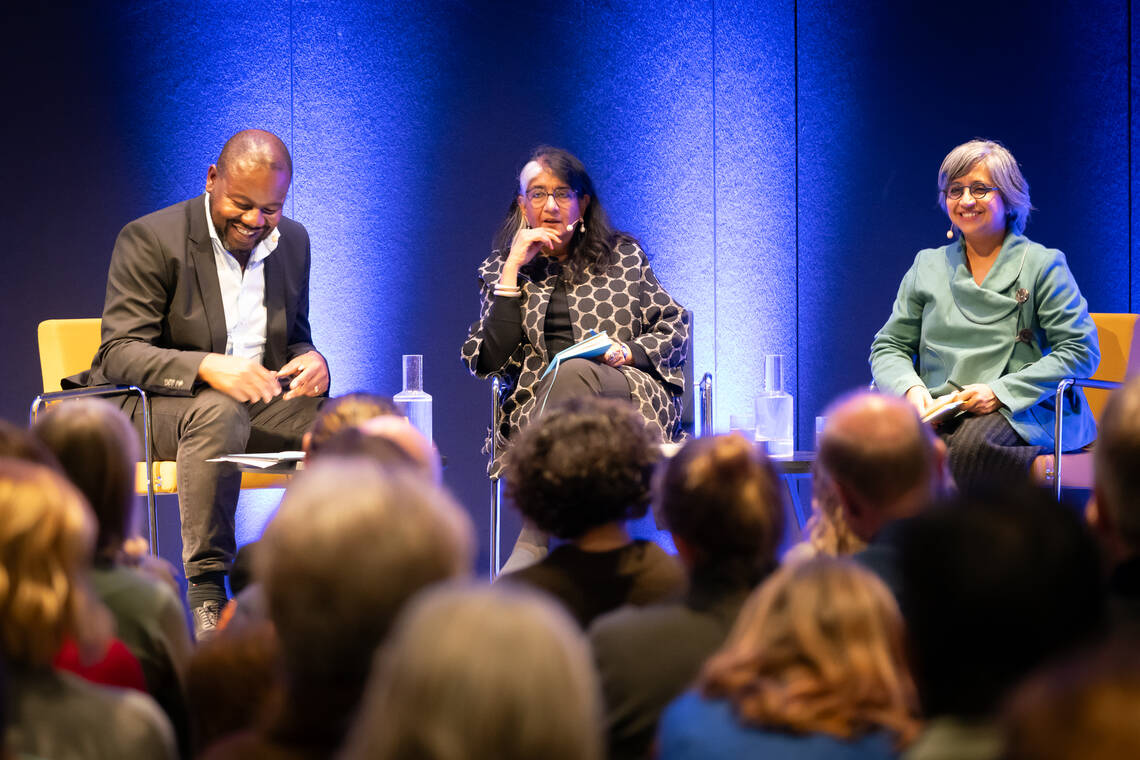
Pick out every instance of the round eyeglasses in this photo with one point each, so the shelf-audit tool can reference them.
(978, 191)
(562, 196)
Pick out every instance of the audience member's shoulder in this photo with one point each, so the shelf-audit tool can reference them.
(122, 722)
(128, 588)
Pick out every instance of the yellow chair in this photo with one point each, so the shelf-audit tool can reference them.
(1117, 334)
(67, 347)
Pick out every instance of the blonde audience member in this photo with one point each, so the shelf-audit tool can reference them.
(47, 537)
(828, 533)
(481, 673)
(813, 668)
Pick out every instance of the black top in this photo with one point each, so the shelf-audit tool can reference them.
(592, 583)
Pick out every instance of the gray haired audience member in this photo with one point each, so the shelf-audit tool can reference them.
(996, 585)
(1114, 511)
(350, 544)
(881, 464)
(579, 473)
(476, 672)
(97, 448)
(723, 502)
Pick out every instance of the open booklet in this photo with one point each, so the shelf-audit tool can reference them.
(944, 408)
(594, 344)
(262, 461)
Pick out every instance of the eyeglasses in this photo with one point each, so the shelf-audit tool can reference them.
(562, 196)
(978, 191)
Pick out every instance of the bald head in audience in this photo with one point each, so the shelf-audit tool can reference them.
(883, 463)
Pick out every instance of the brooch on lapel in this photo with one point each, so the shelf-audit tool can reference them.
(1022, 295)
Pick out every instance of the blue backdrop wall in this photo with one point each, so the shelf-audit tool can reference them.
(777, 159)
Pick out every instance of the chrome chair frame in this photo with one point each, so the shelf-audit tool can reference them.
(1058, 447)
(114, 390)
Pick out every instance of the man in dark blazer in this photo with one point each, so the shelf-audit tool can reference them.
(207, 309)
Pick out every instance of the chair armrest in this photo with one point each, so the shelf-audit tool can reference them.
(1058, 446)
(92, 392)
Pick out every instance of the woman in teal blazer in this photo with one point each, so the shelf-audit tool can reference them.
(993, 320)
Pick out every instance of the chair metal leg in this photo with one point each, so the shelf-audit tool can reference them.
(1057, 448)
(496, 526)
(705, 419)
(151, 502)
(494, 529)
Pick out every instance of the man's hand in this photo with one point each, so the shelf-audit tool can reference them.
(978, 398)
(310, 375)
(239, 378)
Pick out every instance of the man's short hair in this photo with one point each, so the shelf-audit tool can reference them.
(725, 499)
(255, 146)
(349, 545)
(586, 463)
(1116, 457)
(886, 456)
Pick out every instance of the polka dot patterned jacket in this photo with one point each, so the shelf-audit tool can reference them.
(626, 301)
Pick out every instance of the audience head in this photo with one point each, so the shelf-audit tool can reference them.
(817, 648)
(97, 447)
(18, 443)
(1085, 707)
(723, 502)
(230, 680)
(995, 585)
(880, 460)
(387, 440)
(1116, 514)
(1004, 173)
(349, 545)
(586, 463)
(345, 412)
(477, 672)
(47, 536)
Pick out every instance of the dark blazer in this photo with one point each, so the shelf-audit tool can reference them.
(163, 312)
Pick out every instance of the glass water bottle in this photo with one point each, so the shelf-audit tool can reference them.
(412, 401)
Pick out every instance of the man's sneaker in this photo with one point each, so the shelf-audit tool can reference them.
(206, 617)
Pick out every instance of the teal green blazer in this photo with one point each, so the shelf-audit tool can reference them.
(1023, 329)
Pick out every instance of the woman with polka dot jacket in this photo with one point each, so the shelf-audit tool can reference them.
(557, 272)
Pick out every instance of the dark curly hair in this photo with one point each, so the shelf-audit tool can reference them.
(725, 500)
(591, 250)
(586, 463)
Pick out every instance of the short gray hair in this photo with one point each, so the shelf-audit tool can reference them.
(352, 542)
(477, 672)
(1003, 169)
